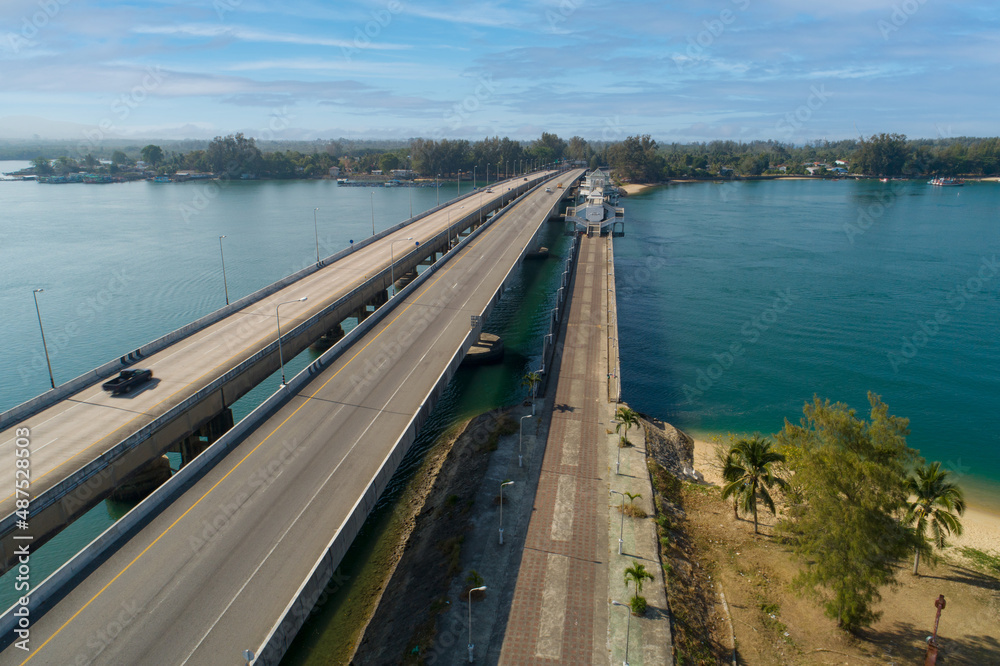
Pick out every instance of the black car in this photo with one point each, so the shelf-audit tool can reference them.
(127, 380)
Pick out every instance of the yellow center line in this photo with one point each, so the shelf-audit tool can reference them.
(252, 451)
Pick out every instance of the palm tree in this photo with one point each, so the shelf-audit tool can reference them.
(626, 417)
(637, 573)
(936, 502)
(532, 380)
(748, 474)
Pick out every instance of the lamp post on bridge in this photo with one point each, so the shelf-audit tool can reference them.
(505, 483)
(458, 185)
(547, 336)
(225, 285)
(474, 178)
(373, 211)
(475, 589)
(281, 358)
(628, 627)
(392, 262)
(316, 229)
(45, 346)
(437, 188)
(621, 533)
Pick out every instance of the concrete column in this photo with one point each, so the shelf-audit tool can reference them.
(407, 278)
(143, 481)
(330, 338)
(205, 436)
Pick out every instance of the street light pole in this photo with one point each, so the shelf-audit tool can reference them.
(628, 627)
(547, 336)
(225, 285)
(621, 533)
(45, 346)
(520, 430)
(473, 178)
(437, 189)
(505, 483)
(475, 589)
(281, 359)
(316, 228)
(373, 211)
(392, 262)
(459, 183)
(618, 464)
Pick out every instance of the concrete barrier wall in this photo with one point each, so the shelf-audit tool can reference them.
(51, 397)
(614, 350)
(64, 579)
(549, 343)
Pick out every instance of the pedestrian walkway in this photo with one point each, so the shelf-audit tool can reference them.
(559, 613)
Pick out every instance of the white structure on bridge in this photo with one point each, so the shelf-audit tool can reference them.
(596, 211)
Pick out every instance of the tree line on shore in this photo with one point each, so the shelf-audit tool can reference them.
(633, 159)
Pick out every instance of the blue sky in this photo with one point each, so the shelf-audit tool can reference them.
(736, 69)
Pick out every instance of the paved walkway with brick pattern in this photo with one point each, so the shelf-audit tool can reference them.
(559, 612)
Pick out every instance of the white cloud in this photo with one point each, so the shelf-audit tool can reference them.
(255, 35)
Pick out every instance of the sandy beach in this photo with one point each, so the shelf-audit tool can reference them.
(635, 188)
(981, 526)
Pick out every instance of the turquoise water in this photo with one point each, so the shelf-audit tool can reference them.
(740, 301)
(123, 264)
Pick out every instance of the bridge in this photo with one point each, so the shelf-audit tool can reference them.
(230, 556)
(86, 443)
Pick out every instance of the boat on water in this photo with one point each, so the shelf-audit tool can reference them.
(161, 179)
(946, 182)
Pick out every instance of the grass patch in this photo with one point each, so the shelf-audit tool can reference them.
(666, 484)
(452, 550)
(988, 562)
(638, 605)
(632, 511)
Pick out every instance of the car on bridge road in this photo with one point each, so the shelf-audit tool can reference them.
(127, 380)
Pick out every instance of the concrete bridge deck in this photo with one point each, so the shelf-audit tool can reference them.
(217, 571)
(75, 459)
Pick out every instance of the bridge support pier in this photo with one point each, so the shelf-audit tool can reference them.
(407, 278)
(191, 447)
(330, 338)
(143, 481)
(380, 299)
